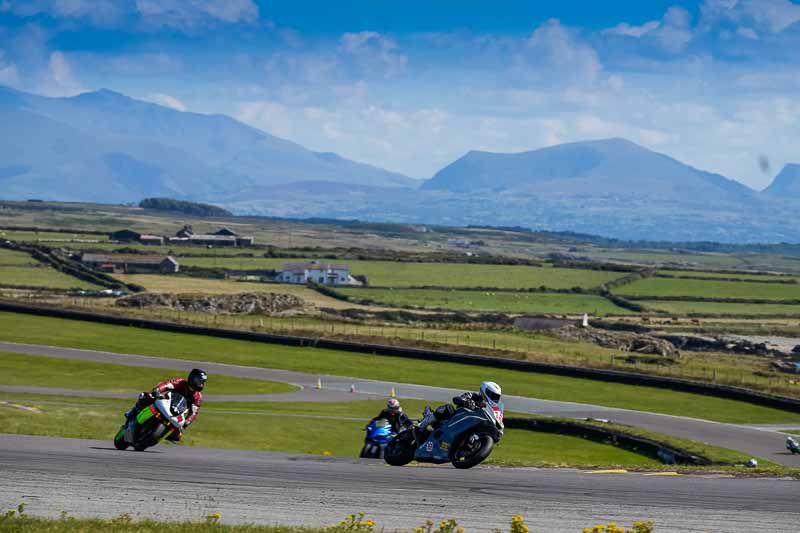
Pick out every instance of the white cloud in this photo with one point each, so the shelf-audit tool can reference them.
(772, 16)
(99, 12)
(675, 30)
(9, 76)
(191, 15)
(623, 28)
(59, 79)
(747, 33)
(553, 51)
(373, 52)
(183, 15)
(165, 100)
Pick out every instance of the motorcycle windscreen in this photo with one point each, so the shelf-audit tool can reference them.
(178, 404)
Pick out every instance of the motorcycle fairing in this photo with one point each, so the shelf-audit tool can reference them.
(436, 448)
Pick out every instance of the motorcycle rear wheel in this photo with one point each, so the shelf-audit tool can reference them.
(466, 456)
(399, 452)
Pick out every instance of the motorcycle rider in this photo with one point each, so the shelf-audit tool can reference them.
(190, 388)
(394, 414)
(792, 444)
(489, 394)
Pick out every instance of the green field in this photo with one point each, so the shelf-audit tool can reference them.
(720, 308)
(40, 276)
(59, 332)
(54, 236)
(395, 274)
(731, 275)
(502, 302)
(54, 372)
(316, 428)
(710, 289)
(15, 258)
(659, 258)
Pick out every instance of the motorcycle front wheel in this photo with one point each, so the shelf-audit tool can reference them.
(399, 452)
(469, 452)
(119, 439)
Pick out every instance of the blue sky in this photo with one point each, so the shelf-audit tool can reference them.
(413, 85)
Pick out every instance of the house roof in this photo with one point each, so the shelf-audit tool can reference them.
(300, 268)
(151, 237)
(225, 231)
(131, 259)
(220, 238)
(125, 231)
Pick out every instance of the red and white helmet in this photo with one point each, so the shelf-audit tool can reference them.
(491, 392)
(393, 405)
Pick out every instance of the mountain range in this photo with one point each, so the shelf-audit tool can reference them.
(106, 147)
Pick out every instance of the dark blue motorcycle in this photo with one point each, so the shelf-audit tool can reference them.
(379, 433)
(465, 439)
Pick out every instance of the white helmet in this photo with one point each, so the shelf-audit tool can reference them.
(491, 392)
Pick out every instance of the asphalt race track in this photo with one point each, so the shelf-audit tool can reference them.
(91, 478)
(763, 442)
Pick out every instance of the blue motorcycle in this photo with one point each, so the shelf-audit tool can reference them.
(465, 439)
(379, 433)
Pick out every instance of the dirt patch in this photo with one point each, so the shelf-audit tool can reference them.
(263, 303)
(620, 340)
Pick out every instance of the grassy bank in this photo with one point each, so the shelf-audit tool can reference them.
(86, 335)
(35, 371)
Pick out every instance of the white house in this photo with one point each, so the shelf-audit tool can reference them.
(315, 272)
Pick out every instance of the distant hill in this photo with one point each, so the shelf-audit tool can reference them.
(587, 169)
(196, 209)
(786, 184)
(104, 146)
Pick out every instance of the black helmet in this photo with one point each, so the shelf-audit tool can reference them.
(197, 379)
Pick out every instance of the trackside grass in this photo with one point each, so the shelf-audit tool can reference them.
(313, 428)
(77, 334)
(53, 372)
(17, 520)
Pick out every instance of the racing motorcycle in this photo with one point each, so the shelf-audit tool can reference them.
(154, 423)
(792, 445)
(465, 439)
(379, 433)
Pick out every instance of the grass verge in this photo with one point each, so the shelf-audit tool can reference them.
(17, 521)
(35, 371)
(121, 339)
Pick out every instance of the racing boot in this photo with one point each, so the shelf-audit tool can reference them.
(421, 428)
(144, 400)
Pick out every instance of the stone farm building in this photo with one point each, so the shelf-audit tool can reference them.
(222, 237)
(319, 273)
(127, 235)
(131, 263)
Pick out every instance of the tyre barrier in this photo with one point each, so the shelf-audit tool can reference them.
(615, 376)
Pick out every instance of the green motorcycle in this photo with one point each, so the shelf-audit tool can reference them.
(154, 423)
